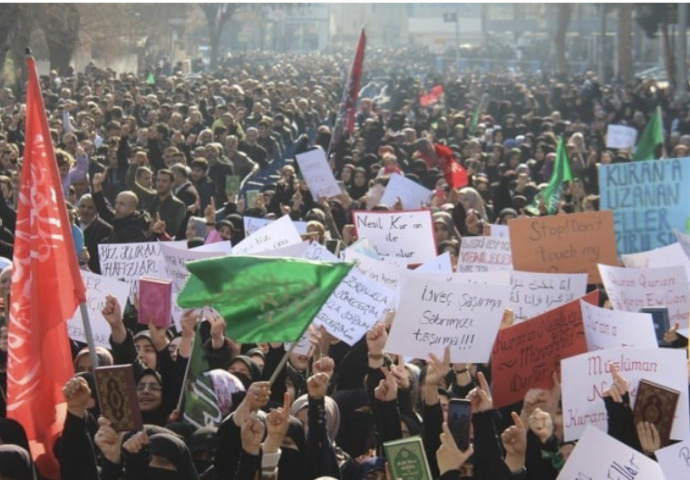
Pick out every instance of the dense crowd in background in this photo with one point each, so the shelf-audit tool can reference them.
(145, 157)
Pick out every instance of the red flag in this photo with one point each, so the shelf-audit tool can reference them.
(46, 289)
(432, 96)
(348, 107)
(455, 174)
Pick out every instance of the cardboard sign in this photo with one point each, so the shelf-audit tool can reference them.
(675, 460)
(405, 235)
(586, 377)
(97, 288)
(129, 261)
(281, 233)
(527, 354)
(176, 271)
(620, 136)
(598, 456)
(440, 264)
(436, 314)
(631, 289)
(573, 243)
(484, 254)
(354, 307)
(535, 293)
(253, 224)
(648, 199)
(318, 174)
(606, 328)
(669, 256)
(412, 194)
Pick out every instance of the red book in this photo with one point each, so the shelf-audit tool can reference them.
(656, 404)
(155, 301)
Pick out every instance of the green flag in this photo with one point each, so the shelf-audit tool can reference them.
(201, 406)
(151, 79)
(562, 173)
(652, 136)
(262, 299)
(475, 120)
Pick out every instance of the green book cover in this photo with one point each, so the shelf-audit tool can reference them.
(232, 184)
(407, 460)
(253, 198)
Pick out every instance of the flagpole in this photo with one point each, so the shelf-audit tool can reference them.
(88, 333)
(282, 363)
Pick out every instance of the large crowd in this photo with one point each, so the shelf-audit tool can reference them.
(147, 157)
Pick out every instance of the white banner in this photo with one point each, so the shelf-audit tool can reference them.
(598, 456)
(440, 264)
(632, 289)
(586, 376)
(413, 195)
(484, 254)
(281, 233)
(620, 136)
(535, 293)
(405, 235)
(97, 288)
(606, 328)
(253, 224)
(675, 460)
(436, 314)
(318, 174)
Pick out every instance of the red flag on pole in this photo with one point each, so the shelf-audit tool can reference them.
(454, 173)
(345, 122)
(432, 96)
(46, 289)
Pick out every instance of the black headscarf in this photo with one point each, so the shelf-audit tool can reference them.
(12, 433)
(176, 452)
(16, 463)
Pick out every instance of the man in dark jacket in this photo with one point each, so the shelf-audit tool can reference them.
(95, 230)
(129, 224)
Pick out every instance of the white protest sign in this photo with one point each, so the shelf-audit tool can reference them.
(174, 260)
(632, 289)
(303, 346)
(316, 251)
(436, 314)
(362, 246)
(684, 240)
(291, 251)
(606, 328)
(220, 248)
(484, 254)
(586, 376)
(500, 231)
(535, 293)
(440, 264)
(620, 136)
(97, 288)
(598, 456)
(253, 224)
(318, 174)
(669, 256)
(412, 194)
(281, 233)
(675, 460)
(354, 307)
(130, 261)
(404, 235)
(380, 272)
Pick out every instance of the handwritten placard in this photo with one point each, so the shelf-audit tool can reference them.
(573, 243)
(535, 293)
(281, 233)
(440, 264)
(129, 261)
(668, 256)
(436, 314)
(648, 199)
(354, 307)
(500, 231)
(318, 174)
(484, 254)
(620, 136)
(675, 460)
(631, 289)
(412, 195)
(526, 355)
(405, 235)
(598, 456)
(253, 224)
(303, 346)
(586, 376)
(97, 288)
(606, 328)
(221, 249)
(362, 246)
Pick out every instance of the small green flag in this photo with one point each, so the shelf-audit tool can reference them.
(562, 172)
(201, 406)
(262, 299)
(151, 79)
(652, 136)
(475, 120)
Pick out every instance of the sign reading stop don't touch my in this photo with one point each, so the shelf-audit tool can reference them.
(572, 243)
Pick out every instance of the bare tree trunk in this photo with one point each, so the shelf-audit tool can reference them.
(61, 30)
(668, 56)
(624, 44)
(214, 42)
(20, 40)
(564, 12)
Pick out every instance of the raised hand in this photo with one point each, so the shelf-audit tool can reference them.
(188, 322)
(77, 395)
(112, 312)
(158, 336)
(317, 385)
(277, 423)
(672, 335)
(481, 396)
(649, 437)
(217, 330)
(541, 424)
(252, 433)
(136, 442)
(400, 374)
(108, 441)
(514, 441)
(387, 391)
(377, 337)
(449, 456)
(437, 369)
(619, 387)
(324, 365)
